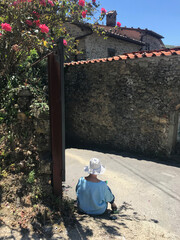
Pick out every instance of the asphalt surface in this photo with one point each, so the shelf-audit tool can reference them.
(152, 188)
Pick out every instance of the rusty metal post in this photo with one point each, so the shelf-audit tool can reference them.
(56, 103)
(61, 62)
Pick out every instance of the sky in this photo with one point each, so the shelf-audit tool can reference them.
(160, 16)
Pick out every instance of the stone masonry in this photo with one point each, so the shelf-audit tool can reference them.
(152, 42)
(97, 47)
(129, 105)
(93, 45)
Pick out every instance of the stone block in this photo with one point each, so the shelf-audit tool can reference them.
(42, 126)
(163, 120)
(155, 119)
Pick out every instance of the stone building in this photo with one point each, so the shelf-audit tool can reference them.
(152, 40)
(119, 40)
(128, 102)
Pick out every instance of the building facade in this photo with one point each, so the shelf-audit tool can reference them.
(113, 41)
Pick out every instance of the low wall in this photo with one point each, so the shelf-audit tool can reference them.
(126, 105)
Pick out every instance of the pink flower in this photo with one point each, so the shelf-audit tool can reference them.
(93, 1)
(81, 3)
(37, 22)
(64, 42)
(36, 14)
(0, 34)
(84, 13)
(7, 27)
(21, 1)
(118, 24)
(103, 11)
(51, 3)
(44, 28)
(43, 2)
(15, 3)
(29, 22)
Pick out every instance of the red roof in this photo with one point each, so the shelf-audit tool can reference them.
(130, 36)
(133, 55)
(134, 33)
(112, 32)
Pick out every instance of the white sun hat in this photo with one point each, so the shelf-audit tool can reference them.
(95, 167)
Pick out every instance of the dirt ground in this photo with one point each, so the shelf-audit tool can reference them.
(127, 225)
(36, 221)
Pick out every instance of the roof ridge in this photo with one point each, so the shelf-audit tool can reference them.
(123, 36)
(132, 55)
(132, 28)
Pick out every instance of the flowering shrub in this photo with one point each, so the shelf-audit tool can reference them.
(51, 3)
(84, 13)
(29, 29)
(6, 27)
(103, 11)
(29, 22)
(37, 24)
(64, 42)
(81, 3)
(44, 28)
(28, 26)
(118, 24)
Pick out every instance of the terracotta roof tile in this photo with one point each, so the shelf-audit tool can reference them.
(149, 54)
(172, 51)
(110, 59)
(138, 55)
(130, 55)
(157, 54)
(133, 55)
(123, 57)
(116, 58)
(166, 53)
(103, 59)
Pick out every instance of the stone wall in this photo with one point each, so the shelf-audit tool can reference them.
(124, 105)
(97, 47)
(77, 31)
(32, 133)
(153, 42)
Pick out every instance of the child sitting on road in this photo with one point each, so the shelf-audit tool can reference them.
(93, 194)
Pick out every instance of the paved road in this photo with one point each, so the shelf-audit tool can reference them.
(152, 189)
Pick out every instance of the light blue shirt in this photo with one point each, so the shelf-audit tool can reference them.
(93, 197)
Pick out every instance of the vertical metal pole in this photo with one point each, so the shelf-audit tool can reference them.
(61, 62)
(57, 122)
